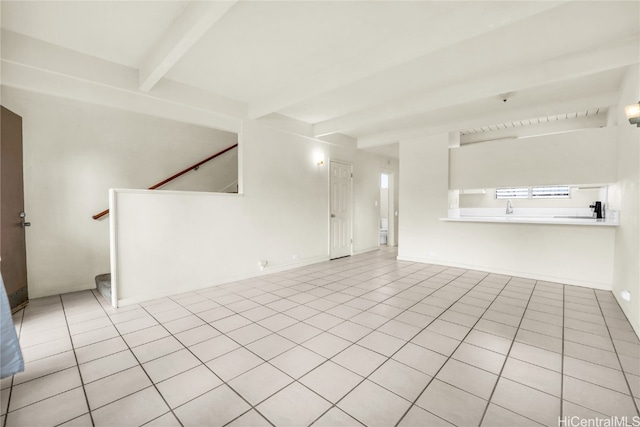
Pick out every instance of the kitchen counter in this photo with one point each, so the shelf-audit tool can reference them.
(532, 216)
(536, 220)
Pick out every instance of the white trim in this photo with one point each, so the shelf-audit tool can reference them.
(174, 192)
(364, 251)
(240, 149)
(291, 265)
(113, 246)
(526, 275)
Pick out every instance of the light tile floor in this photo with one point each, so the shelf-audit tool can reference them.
(361, 340)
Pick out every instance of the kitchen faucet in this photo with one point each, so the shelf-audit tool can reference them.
(509, 207)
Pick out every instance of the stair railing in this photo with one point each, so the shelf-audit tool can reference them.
(179, 174)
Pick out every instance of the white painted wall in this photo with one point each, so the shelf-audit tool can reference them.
(171, 242)
(626, 197)
(73, 153)
(581, 157)
(566, 254)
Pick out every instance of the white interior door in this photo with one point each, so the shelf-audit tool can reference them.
(340, 208)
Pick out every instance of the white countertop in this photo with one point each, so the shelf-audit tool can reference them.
(536, 220)
(547, 216)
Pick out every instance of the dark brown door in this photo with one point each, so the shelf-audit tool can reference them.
(13, 254)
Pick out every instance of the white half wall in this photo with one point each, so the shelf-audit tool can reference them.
(73, 153)
(167, 242)
(566, 254)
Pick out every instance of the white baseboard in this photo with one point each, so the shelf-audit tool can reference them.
(507, 272)
(364, 251)
(41, 293)
(222, 281)
(635, 325)
(297, 264)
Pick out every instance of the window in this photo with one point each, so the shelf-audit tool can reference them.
(551, 192)
(512, 193)
(541, 192)
(384, 180)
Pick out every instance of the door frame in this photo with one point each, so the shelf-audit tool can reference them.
(391, 228)
(350, 164)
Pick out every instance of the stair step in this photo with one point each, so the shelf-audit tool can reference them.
(103, 284)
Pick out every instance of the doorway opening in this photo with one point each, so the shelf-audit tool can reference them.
(385, 209)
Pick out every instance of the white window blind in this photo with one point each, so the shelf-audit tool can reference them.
(541, 192)
(551, 192)
(512, 193)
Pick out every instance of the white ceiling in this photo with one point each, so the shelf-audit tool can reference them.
(377, 71)
(120, 32)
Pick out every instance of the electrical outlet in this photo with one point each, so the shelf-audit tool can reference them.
(263, 264)
(295, 257)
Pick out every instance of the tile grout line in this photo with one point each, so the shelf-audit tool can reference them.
(506, 359)
(396, 294)
(352, 343)
(84, 391)
(139, 364)
(300, 344)
(251, 406)
(61, 308)
(242, 346)
(327, 359)
(548, 369)
(624, 374)
(352, 285)
(296, 344)
(265, 306)
(441, 287)
(337, 273)
(319, 311)
(581, 379)
(400, 348)
(454, 350)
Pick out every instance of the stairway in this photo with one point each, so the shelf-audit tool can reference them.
(103, 284)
